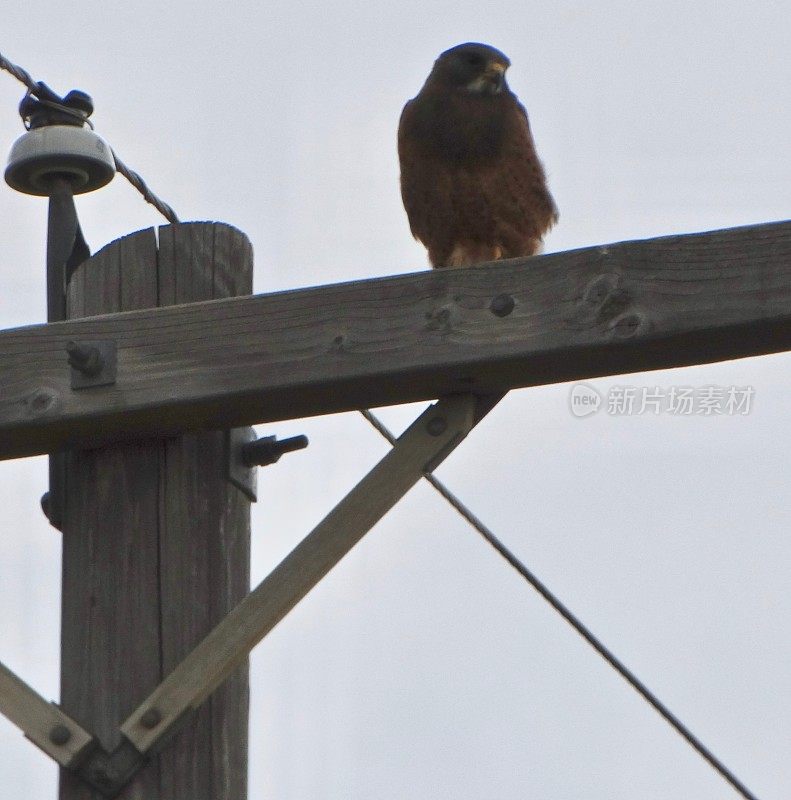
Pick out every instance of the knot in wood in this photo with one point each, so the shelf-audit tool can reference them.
(605, 297)
(439, 319)
(629, 325)
(40, 401)
(338, 344)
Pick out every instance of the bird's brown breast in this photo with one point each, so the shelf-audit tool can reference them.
(472, 185)
(457, 126)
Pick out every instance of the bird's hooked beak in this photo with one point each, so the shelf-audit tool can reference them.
(495, 74)
(493, 79)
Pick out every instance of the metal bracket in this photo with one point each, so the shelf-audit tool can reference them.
(241, 474)
(60, 737)
(92, 363)
(66, 249)
(109, 773)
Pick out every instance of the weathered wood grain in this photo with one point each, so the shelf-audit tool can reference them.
(200, 510)
(156, 541)
(110, 614)
(626, 307)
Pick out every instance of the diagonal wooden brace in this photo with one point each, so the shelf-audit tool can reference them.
(420, 448)
(56, 733)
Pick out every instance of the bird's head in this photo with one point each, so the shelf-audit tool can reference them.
(472, 67)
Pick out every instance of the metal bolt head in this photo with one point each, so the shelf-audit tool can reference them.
(84, 358)
(92, 363)
(436, 426)
(46, 506)
(59, 735)
(151, 718)
(502, 305)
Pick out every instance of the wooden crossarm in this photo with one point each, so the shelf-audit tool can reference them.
(633, 306)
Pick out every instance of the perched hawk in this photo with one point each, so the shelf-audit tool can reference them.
(473, 187)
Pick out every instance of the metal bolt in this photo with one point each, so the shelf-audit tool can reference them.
(502, 305)
(46, 506)
(436, 426)
(101, 777)
(151, 718)
(268, 449)
(85, 358)
(59, 735)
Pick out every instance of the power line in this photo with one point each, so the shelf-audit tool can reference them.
(23, 76)
(167, 212)
(574, 621)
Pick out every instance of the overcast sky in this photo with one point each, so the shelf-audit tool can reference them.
(423, 667)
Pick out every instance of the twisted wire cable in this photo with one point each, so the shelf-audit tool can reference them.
(23, 76)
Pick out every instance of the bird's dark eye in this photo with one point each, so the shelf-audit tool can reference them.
(474, 59)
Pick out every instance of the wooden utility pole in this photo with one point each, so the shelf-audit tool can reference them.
(156, 617)
(155, 539)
